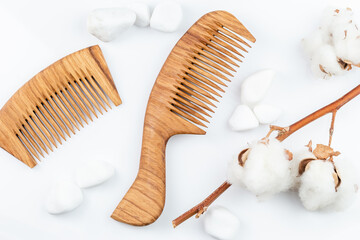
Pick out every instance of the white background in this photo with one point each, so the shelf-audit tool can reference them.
(36, 33)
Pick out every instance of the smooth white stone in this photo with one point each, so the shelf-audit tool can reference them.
(93, 172)
(142, 12)
(267, 113)
(220, 223)
(243, 118)
(255, 87)
(64, 196)
(107, 23)
(166, 17)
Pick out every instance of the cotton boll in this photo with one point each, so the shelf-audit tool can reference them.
(107, 23)
(324, 62)
(235, 171)
(166, 17)
(266, 113)
(317, 189)
(340, 22)
(311, 43)
(266, 170)
(243, 119)
(343, 32)
(93, 172)
(255, 87)
(220, 223)
(335, 17)
(142, 12)
(327, 18)
(347, 190)
(294, 166)
(336, 45)
(349, 50)
(63, 197)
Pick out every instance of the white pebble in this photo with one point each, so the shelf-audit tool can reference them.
(267, 113)
(255, 87)
(107, 23)
(93, 172)
(142, 12)
(63, 197)
(220, 223)
(166, 17)
(266, 170)
(242, 119)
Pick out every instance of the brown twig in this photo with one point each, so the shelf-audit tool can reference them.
(334, 106)
(331, 131)
(283, 133)
(201, 207)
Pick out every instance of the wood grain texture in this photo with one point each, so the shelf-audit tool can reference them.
(54, 103)
(181, 101)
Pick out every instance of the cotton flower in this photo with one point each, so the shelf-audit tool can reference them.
(317, 186)
(335, 46)
(347, 190)
(323, 183)
(263, 169)
(324, 62)
(294, 166)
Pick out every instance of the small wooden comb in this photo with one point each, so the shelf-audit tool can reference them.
(179, 103)
(55, 101)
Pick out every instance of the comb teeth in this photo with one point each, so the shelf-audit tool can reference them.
(56, 103)
(210, 59)
(43, 128)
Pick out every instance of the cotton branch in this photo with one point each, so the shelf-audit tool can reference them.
(283, 133)
(332, 107)
(201, 207)
(331, 131)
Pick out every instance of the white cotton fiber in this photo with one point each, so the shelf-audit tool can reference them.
(324, 62)
(347, 191)
(266, 171)
(317, 186)
(349, 50)
(93, 172)
(235, 171)
(335, 42)
(294, 165)
(220, 223)
(312, 43)
(64, 196)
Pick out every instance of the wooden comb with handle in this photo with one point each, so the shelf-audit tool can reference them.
(54, 101)
(180, 102)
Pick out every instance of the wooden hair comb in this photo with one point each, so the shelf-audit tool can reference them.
(179, 103)
(55, 101)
